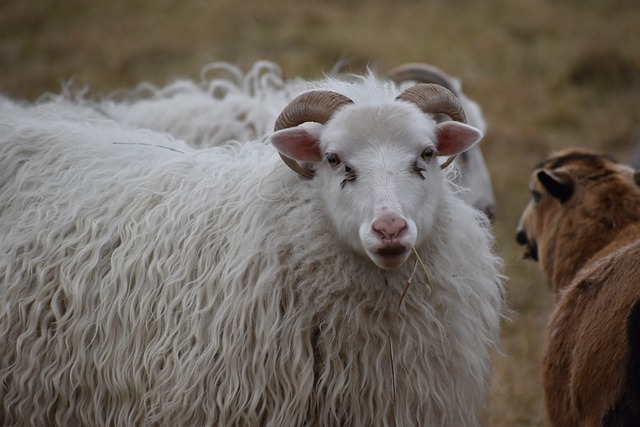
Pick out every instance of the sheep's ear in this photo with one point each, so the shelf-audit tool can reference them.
(301, 143)
(557, 184)
(455, 137)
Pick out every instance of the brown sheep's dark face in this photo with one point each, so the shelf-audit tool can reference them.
(577, 202)
(549, 190)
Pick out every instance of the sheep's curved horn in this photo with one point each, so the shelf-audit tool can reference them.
(422, 73)
(315, 106)
(435, 99)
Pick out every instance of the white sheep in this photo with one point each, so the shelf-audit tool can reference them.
(144, 281)
(229, 105)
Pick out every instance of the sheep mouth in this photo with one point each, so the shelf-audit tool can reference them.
(531, 252)
(390, 256)
(392, 251)
(531, 247)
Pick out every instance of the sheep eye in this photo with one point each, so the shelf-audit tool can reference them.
(427, 154)
(333, 159)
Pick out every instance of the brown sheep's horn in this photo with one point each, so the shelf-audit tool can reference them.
(435, 99)
(422, 73)
(314, 106)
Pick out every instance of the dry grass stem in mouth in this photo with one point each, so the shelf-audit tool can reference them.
(424, 270)
(413, 273)
(406, 287)
(404, 292)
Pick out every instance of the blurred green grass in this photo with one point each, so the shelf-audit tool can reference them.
(548, 74)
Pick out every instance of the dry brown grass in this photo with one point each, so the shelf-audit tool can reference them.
(549, 74)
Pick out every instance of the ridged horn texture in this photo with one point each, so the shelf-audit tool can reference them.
(421, 73)
(433, 98)
(315, 106)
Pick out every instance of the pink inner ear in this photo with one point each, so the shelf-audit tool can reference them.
(298, 144)
(455, 137)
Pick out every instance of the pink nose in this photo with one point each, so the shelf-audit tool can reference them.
(389, 226)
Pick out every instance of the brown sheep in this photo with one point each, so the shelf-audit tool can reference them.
(583, 226)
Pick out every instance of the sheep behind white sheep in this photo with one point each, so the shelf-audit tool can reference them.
(230, 105)
(144, 281)
(474, 174)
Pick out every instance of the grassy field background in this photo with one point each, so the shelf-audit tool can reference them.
(548, 74)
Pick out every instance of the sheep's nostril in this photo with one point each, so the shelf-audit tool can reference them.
(521, 237)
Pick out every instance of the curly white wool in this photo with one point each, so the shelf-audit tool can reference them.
(225, 105)
(144, 281)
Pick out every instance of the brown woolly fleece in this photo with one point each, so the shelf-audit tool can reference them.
(583, 225)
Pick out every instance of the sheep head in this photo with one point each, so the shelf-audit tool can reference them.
(376, 164)
(580, 201)
(319, 106)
